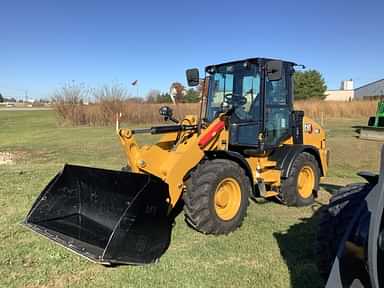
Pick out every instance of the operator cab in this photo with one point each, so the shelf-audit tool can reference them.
(257, 95)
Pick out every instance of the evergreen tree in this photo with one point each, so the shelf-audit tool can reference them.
(192, 96)
(164, 98)
(309, 84)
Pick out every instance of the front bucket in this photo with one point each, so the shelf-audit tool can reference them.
(106, 216)
(371, 133)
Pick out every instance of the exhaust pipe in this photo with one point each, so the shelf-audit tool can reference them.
(109, 217)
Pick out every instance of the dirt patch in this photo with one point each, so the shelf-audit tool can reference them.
(10, 157)
(6, 158)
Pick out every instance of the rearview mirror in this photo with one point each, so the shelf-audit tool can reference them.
(193, 78)
(167, 113)
(274, 70)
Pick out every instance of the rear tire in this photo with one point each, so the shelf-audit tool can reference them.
(333, 223)
(302, 184)
(216, 197)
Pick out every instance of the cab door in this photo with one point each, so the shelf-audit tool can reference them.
(245, 119)
(278, 109)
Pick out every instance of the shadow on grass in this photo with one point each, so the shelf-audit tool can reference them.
(330, 188)
(297, 249)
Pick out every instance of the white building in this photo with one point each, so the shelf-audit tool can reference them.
(346, 92)
(346, 85)
(371, 90)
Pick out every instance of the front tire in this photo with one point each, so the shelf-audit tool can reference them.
(302, 184)
(216, 197)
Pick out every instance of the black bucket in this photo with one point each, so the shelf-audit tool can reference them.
(107, 216)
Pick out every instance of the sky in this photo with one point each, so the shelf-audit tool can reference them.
(47, 43)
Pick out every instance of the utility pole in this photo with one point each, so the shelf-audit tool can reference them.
(137, 86)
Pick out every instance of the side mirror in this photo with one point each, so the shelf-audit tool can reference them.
(274, 70)
(193, 78)
(167, 113)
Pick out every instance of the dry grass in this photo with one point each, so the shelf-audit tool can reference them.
(71, 107)
(337, 109)
(104, 112)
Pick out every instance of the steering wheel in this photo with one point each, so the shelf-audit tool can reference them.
(228, 98)
(226, 105)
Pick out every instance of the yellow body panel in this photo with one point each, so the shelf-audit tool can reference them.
(316, 138)
(174, 156)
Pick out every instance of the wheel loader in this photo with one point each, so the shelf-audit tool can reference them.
(350, 241)
(246, 142)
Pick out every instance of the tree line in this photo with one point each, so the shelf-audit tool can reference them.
(13, 100)
(155, 96)
(4, 99)
(308, 84)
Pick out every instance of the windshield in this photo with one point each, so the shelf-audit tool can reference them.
(238, 86)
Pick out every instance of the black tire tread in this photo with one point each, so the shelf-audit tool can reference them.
(333, 222)
(289, 185)
(197, 196)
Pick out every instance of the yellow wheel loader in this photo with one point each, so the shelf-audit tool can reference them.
(247, 142)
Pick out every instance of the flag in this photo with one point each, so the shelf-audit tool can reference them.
(135, 82)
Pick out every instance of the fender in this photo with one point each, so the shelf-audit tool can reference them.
(286, 155)
(234, 156)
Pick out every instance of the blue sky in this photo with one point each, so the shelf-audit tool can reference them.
(44, 44)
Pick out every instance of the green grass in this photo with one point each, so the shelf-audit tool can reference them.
(273, 248)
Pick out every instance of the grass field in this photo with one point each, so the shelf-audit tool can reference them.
(273, 248)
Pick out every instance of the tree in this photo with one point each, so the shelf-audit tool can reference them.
(164, 98)
(192, 96)
(71, 93)
(152, 96)
(309, 84)
(1, 98)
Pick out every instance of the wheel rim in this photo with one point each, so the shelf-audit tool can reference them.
(227, 199)
(306, 182)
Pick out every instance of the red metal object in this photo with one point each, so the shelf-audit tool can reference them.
(211, 133)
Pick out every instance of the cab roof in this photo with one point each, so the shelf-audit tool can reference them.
(257, 60)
